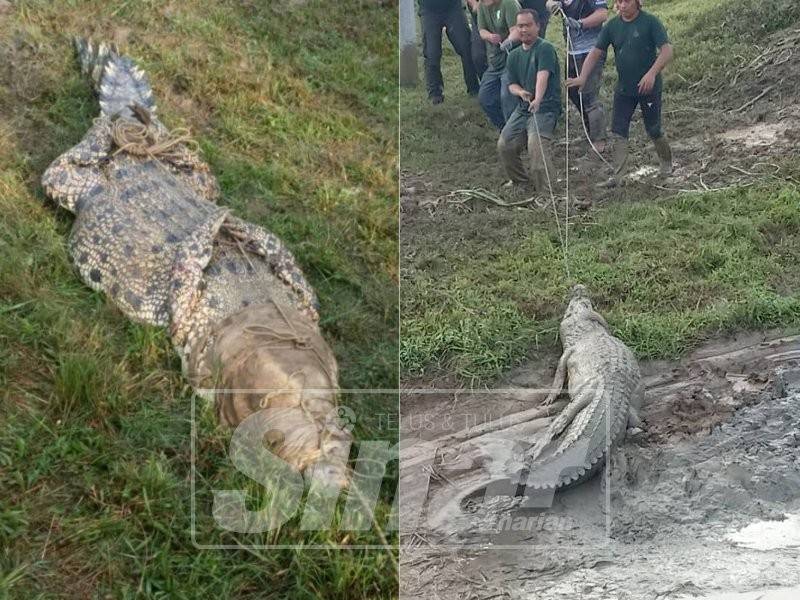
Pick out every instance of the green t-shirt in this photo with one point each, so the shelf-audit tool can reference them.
(523, 65)
(499, 19)
(635, 44)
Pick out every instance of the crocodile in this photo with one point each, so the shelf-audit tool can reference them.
(149, 234)
(606, 392)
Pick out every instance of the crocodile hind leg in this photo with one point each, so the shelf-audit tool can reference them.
(123, 90)
(280, 259)
(78, 172)
(561, 422)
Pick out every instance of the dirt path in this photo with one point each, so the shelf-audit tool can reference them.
(695, 504)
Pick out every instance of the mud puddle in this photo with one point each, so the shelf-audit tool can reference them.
(704, 500)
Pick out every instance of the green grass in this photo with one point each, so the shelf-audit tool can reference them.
(663, 273)
(484, 291)
(299, 125)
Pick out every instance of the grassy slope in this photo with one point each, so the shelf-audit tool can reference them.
(297, 116)
(664, 272)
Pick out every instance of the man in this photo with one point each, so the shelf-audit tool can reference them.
(496, 19)
(583, 21)
(636, 36)
(533, 74)
(478, 45)
(447, 14)
(540, 6)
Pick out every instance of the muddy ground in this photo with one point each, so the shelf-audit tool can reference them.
(705, 499)
(733, 134)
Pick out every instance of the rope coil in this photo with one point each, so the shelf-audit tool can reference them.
(142, 139)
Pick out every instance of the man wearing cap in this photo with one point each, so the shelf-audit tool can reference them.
(641, 51)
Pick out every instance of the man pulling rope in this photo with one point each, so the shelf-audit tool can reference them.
(641, 51)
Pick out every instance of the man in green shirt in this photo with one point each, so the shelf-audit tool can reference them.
(641, 51)
(534, 83)
(496, 25)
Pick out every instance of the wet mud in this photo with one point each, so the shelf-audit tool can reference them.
(704, 499)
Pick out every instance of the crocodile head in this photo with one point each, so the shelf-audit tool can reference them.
(580, 317)
(579, 302)
(272, 362)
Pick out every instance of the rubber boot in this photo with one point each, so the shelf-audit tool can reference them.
(509, 152)
(620, 160)
(664, 155)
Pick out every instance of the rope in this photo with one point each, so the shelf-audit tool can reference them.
(564, 239)
(549, 185)
(566, 180)
(580, 93)
(139, 139)
(276, 338)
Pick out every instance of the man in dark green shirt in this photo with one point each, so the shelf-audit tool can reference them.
(641, 51)
(496, 25)
(534, 83)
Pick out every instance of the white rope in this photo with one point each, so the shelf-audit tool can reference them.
(563, 239)
(566, 178)
(570, 48)
(549, 182)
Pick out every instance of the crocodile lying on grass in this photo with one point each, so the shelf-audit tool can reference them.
(149, 234)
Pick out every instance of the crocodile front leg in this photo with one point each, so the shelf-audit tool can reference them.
(191, 259)
(280, 259)
(558, 380)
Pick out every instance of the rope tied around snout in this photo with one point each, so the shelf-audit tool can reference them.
(274, 337)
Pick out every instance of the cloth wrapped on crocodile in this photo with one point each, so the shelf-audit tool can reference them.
(149, 234)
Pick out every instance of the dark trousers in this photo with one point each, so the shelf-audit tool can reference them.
(478, 48)
(495, 99)
(455, 24)
(625, 106)
(587, 100)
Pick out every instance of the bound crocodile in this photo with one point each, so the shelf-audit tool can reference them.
(605, 391)
(149, 234)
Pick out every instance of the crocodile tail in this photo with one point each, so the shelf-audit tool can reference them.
(119, 83)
